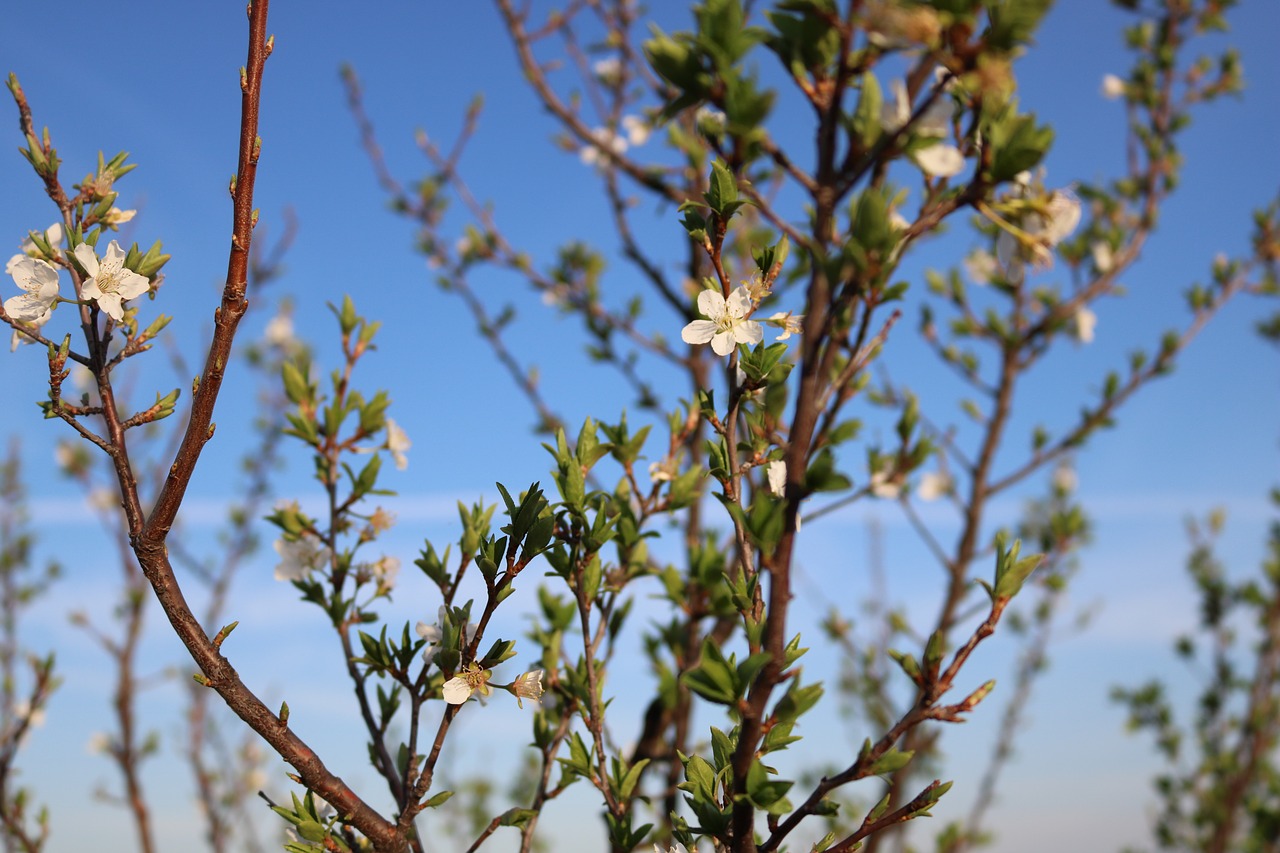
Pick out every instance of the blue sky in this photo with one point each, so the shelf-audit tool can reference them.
(159, 80)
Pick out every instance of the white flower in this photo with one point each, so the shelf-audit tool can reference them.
(433, 634)
(255, 779)
(663, 470)
(939, 159)
(674, 848)
(299, 557)
(1064, 478)
(777, 473)
(1112, 87)
(99, 743)
(790, 324)
(398, 443)
(22, 710)
(1085, 321)
(39, 282)
(980, 265)
(609, 70)
(472, 679)
(710, 121)
(1103, 259)
(1061, 216)
(604, 138)
(637, 129)
(103, 499)
(279, 331)
(883, 486)
(527, 686)
(727, 324)
(933, 485)
(116, 217)
(52, 235)
(109, 283)
(386, 569)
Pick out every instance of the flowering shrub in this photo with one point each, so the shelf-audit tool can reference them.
(767, 436)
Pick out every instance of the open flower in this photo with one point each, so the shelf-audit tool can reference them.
(299, 557)
(39, 282)
(52, 235)
(1041, 232)
(527, 686)
(471, 679)
(398, 443)
(727, 324)
(109, 283)
(938, 159)
(1112, 87)
(788, 322)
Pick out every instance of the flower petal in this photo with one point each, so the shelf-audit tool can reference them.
(711, 304)
(84, 254)
(698, 332)
(940, 161)
(456, 690)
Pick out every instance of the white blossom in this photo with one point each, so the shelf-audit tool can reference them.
(398, 444)
(1064, 478)
(934, 485)
(1061, 215)
(883, 485)
(386, 569)
(939, 159)
(726, 325)
(1112, 87)
(471, 679)
(279, 331)
(788, 322)
(1084, 321)
(99, 743)
(116, 217)
(1103, 259)
(980, 265)
(609, 69)
(710, 121)
(299, 557)
(52, 235)
(433, 633)
(109, 283)
(637, 129)
(528, 686)
(603, 139)
(662, 470)
(39, 282)
(777, 474)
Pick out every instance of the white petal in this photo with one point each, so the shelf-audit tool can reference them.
(777, 473)
(723, 344)
(84, 254)
(711, 304)
(698, 332)
(739, 303)
(748, 332)
(456, 690)
(941, 161)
